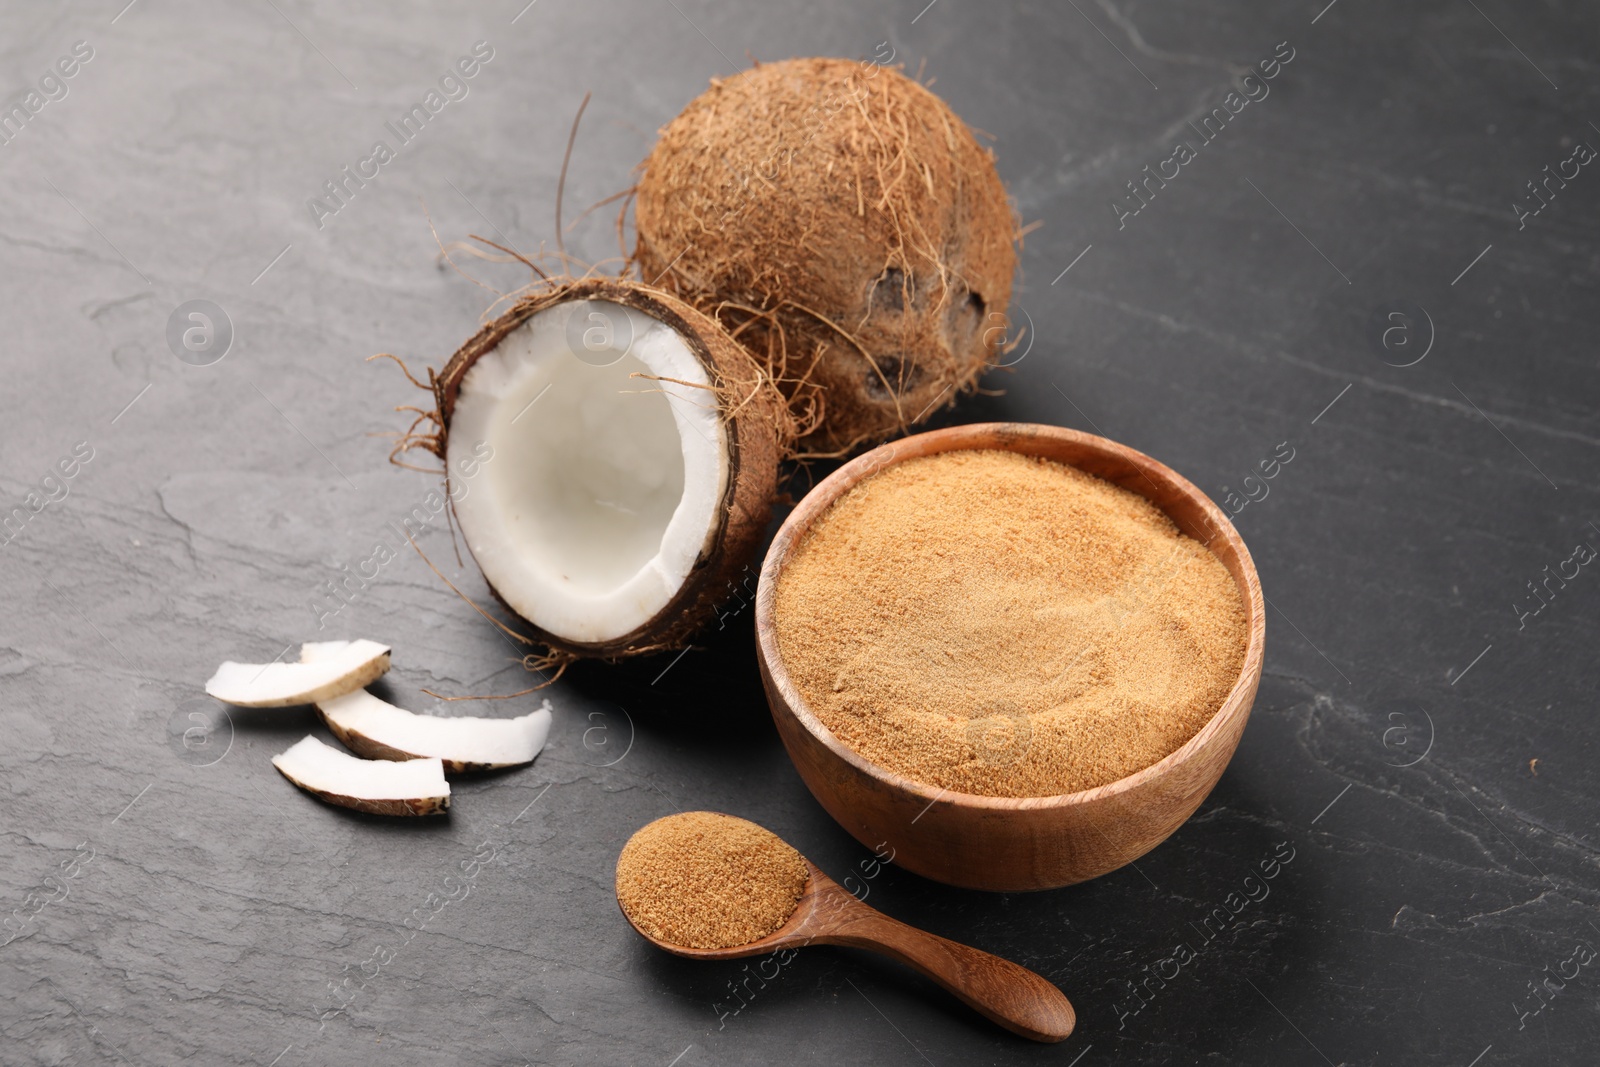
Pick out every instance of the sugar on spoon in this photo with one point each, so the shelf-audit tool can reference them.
(693, 883)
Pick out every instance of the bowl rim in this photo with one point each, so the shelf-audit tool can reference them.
(980, 437)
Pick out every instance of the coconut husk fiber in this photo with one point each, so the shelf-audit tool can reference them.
(847, 227)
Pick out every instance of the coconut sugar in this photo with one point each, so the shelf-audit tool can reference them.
(704, 880)
(1003, 625)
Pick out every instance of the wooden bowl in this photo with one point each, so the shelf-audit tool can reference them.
(1002, 843)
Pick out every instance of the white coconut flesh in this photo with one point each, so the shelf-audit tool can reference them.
(377, 729)
(462, 743)
(321, 651)
(341, 778)
(345, 668)
(603, 488)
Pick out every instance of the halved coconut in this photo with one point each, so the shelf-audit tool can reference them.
(350, 666)
(622, 452)
(381, 787)
(376, 729)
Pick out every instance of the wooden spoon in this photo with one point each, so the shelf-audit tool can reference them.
(827, 914)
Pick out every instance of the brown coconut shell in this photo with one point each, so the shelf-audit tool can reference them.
(759, 433)
(847, 226)
(430, 806)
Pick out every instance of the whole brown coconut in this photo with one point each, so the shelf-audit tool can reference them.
(612, 492)
(847, 227)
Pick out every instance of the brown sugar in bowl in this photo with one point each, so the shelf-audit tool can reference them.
(1002, 843)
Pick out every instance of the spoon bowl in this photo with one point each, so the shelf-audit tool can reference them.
(827, 914)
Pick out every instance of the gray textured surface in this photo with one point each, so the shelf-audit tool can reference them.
(211, 910)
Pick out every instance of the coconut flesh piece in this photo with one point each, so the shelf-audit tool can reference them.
(381, 787)
(604, 489)
(374, 728)
(348, 667)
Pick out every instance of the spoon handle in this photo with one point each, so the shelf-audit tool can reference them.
(1011, 995)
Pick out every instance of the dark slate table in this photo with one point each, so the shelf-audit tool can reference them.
(1355, 265)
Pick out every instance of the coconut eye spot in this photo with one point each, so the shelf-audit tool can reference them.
(890, 290)
(966, 322)
(896, 376)
(605, 482)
